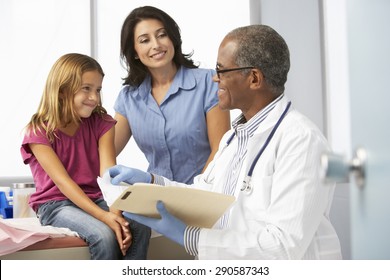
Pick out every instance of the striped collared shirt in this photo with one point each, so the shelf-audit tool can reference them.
(244, 131)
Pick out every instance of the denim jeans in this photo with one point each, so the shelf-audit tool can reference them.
(100, 238)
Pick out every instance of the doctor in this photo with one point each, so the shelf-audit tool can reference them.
(270, 161)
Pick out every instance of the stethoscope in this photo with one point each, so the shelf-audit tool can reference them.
(246, 186)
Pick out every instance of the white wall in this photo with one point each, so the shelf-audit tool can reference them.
(35, 33)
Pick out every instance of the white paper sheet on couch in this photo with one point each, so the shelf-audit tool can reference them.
(16, 234)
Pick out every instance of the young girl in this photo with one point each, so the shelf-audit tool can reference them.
(68, 143)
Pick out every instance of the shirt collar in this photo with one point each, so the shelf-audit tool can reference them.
(241, 123)
(183, 79)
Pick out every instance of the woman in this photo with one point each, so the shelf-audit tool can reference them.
(167, 103)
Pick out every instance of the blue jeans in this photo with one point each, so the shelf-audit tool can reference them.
(100, 238)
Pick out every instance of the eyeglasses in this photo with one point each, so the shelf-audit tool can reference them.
(231, 69)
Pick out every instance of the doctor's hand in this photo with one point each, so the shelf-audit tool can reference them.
(169, 226)
(120, 173)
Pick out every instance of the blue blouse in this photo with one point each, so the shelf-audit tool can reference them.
(173, 136)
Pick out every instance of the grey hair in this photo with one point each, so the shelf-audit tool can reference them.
(262, 47)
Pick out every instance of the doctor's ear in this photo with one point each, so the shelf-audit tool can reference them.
(257, 78)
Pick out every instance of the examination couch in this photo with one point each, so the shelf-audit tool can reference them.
(74, 248)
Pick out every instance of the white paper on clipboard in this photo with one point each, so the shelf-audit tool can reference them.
(194, 207)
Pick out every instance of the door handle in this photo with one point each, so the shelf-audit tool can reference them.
(335, 167)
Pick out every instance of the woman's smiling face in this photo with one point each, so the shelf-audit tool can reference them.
(152, 44)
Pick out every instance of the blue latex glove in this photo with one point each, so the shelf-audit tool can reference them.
(168, 225)
(120, 173)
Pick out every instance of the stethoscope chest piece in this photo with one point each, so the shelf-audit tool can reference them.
(246, 186)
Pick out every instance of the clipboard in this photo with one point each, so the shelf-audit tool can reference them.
(194, 207)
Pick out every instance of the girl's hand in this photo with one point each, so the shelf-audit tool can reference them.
(126, 239)
(121, 229)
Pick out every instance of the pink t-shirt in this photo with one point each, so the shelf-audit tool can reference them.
(78, 153)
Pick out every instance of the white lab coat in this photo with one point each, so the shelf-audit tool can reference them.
(286, 216)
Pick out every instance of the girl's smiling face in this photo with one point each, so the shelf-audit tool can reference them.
(88, 96)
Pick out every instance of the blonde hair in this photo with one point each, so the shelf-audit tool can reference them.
(56, 108)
